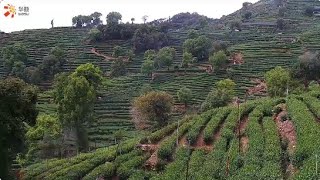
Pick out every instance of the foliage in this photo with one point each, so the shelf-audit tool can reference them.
(91, 73)
(165, 56)
(32, 75)
(118, 68)
(52, 63)
(81, 21)
(214, 123)
(282, 11)
(145, 89)
(218, 60)
(220, 46)
(147, 37)
(220, 96)
(248, 15)
(17, 107)
(184, 95)
(96, 19)
(309, 11)
(235, 25)
(150, 55)
(281, 24)
(147, 67)
(198, 47)
(14, 55)
(44, 138)
(105, 170)
(277, 81)
(186, 59)
(167, 146)
(113, 18)
(155, 106)
(308, 67)
(118, 51)
(95, 34)
(194, 130)
(193, 34)
(307, 131)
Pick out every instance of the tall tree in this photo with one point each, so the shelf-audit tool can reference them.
(277, 81)
(17, 106)
(166, 56)
(198, 47)
(96, 18)
(113, 18)
(75, 95)
(16, 53)
(220, 96)
(218, 60)
(154, 106)
(308, 67)
(184, 95)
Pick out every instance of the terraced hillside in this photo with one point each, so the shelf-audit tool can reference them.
(263, 139)
(263, 48)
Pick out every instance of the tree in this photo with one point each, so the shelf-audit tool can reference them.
(95, 34)
(132, 20)
(245, 5)
(184, 95)
(118, 51)
(150, 55)
(93, 74)
(113, 18)
(144, 18)
(235, 25)
(52, 63)
(193, 34)
(148, 37)
(44, 138)
(186, 59)
(166, 56)
(282, 11)
(277, 81)
(280, 24)
(96, 18)
(18, 69)
(147, 67)
(309, 11)
(198, 47)
(16, 53)
(17, 107)
(154, 106)
(218, 60)
(248, 15)
(32, 75)
(82, 21)
(75, 95)
(220, 96)
(118, 68)
(308, 67)
(220, 46)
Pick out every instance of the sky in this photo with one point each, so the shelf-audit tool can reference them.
(39, 13)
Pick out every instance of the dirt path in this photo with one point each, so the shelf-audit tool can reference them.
(200, 144)
(287, 133)
(108, 58)
(244, 140)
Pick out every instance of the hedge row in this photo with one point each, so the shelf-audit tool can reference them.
(105, 170)
(129, 167)
(162, 133)
(308, 133)
(214, 123)
(195, 129)
(177, 169)
(313, 104)
(168, 145)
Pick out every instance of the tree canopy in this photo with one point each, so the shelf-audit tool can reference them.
(17, 107)
(218, 60)
(184, 95)
(277, 81)
(113, 18)
(154, 106)
(166, 56)
(220, 96)
(198, 47)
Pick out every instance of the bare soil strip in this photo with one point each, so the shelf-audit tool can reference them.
(288, 139)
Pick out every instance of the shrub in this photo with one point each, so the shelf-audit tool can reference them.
(95, 34)
(105, 170)
(218, 60)
(184, 95)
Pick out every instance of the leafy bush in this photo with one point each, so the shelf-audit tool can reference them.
(214, 123)
(105, 170)
(95, 34)
(127, 168)
(198, 47)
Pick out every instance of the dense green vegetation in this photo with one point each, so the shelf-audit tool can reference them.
(180, 87)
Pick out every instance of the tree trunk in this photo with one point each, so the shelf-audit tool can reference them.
(4, 160)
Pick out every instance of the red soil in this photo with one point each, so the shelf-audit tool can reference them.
(244, 140)
(200, 144)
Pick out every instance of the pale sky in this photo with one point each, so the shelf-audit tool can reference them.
(41, 12)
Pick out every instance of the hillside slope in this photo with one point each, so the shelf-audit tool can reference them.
(263, 139)
(262, 47)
